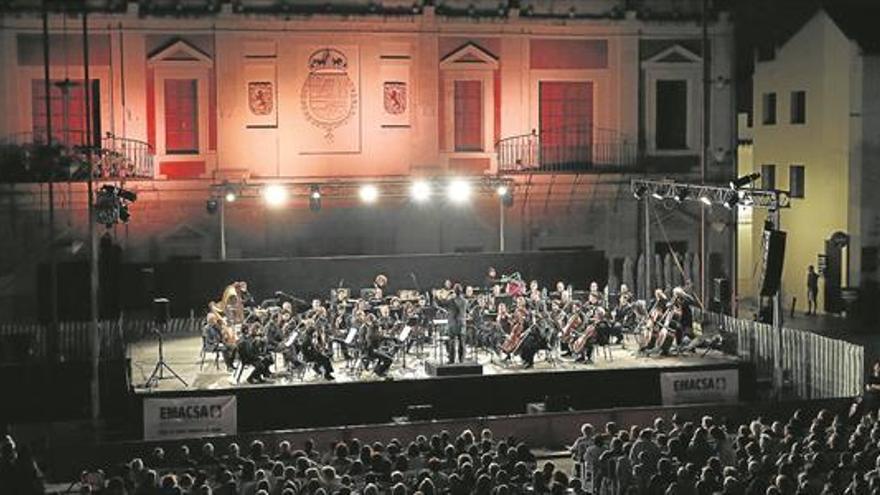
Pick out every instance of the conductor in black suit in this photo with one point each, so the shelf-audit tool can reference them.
(456, 311)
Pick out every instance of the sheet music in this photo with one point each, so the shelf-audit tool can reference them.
(352, 333)
(291, 339)
(404, 334)
(441, 322)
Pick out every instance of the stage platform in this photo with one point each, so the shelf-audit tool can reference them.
(620, 380)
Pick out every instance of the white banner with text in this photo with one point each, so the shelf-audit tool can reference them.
(699, 386)
(189, 417)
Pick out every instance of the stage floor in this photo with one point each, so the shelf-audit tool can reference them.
(182, 354)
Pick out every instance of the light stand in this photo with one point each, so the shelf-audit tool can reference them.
(161, 365)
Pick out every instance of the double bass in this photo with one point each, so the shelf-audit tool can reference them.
(518, 330)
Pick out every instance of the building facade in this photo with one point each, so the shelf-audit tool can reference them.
(567, 101)
(815, 133)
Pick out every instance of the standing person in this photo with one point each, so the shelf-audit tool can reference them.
(456, 310)
(812, 289)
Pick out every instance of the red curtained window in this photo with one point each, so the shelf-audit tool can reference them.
(566, 110)
(181, 116)
(67, 101)
(468, 116)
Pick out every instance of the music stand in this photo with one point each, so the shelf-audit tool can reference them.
(160, 319)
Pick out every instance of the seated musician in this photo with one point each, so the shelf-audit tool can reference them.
(252, 351)
(373, 340)
(313, 346)
(491, 279)
(216, 337)
(380, 284)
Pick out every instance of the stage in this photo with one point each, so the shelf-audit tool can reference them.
(622, 379)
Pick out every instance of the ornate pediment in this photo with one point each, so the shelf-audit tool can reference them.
(470, 56)
(180, 53)
(675, 54)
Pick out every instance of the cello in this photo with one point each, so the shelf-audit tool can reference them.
(518, 331)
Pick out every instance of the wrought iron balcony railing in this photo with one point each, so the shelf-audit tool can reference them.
(25, 157)
(567, 149)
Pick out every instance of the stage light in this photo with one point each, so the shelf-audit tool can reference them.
(211, 206)
(458, 191)
(124, 215)
(274, 195)
(656, 194)
(639, 193)
(420, 191)
(315, 198)
(230, 196)
(744, 180)
(706, 200)
(731, 201)
(681, 194)
(127, 195)
(502, 190)
(368, 193)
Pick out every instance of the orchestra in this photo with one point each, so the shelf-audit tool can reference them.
(506, 319)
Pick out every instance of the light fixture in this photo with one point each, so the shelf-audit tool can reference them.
(420, 191)
(502, 190)
(211, 206)
(706, 200)
(656, 194)
(230, 196)
(731, 201)
(639, 193)
(744, 180)
(368, 193)
(458, 191)
(315, 198)
(274, 195)
(681, 194)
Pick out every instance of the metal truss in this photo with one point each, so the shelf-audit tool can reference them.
(770, 199)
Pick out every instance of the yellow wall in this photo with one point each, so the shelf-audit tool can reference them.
(817, 60)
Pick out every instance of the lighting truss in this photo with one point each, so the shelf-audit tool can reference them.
(349, 188)
(770, 199)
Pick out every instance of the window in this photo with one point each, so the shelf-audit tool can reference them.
(671, 124)
(796, 181)
(769, 104)
(468, 116)
(67, 102)
(566, 121)
(181, 116)
(798, 107)
(768, 176)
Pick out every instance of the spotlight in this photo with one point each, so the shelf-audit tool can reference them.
(211, 206)
(230, 196)
(124, 215)
(314, 198)
(458, 191)
(368, 193)
(656, 194)
(681, 194)
(502, 190)
(731, 202)
(744, 180)
(420, 191)
(127, 195)
(706, 200)
(274, 195)
(639, 193)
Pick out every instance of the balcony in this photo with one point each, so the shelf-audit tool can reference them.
(27, 158)
(568, 150)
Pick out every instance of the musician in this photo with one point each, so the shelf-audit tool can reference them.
(253, 352)
(314, 349)
(456, 311)
(491, 279)
(374, 338)
(217, 336)
(380, 284)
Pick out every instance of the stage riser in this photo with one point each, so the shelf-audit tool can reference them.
(333, 404)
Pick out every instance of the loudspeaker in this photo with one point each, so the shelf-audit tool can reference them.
(161, 311)
(773, 244)
(456, 369)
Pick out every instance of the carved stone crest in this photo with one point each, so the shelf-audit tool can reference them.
(329, 97)
(394, 97)
(261, 97)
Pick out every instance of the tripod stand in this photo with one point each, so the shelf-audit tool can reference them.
(162, 366)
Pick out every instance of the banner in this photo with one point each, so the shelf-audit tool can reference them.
(189, 417)
(699, 386)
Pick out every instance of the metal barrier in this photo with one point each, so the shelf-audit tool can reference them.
(813, 366)
(29, 342)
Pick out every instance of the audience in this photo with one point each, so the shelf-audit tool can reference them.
(802, 456)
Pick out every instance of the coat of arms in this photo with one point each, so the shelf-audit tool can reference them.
(395, 97)
(261, 98)
(329, 97)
